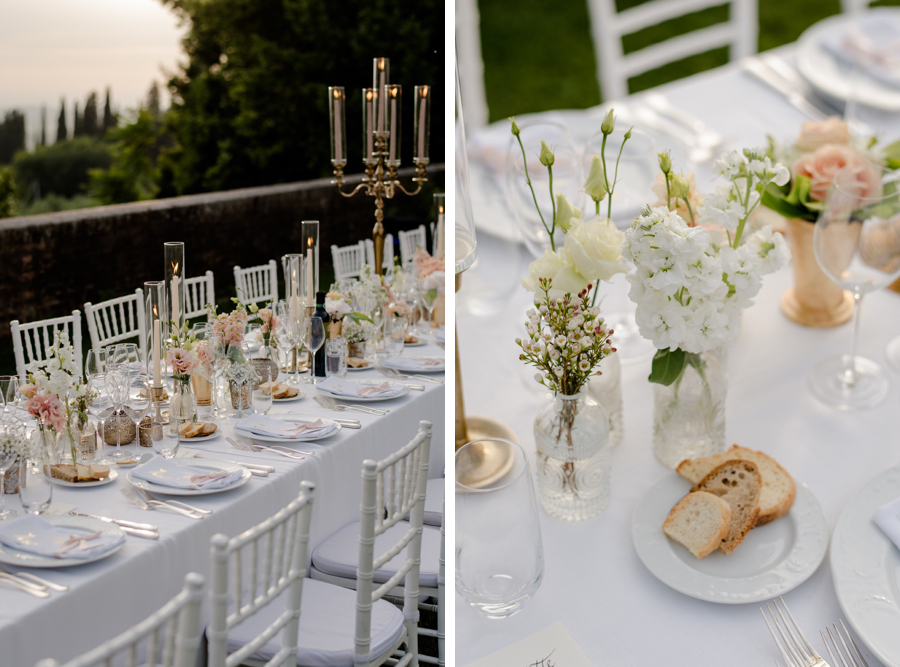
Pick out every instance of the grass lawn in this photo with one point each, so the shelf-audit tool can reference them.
(539, 55)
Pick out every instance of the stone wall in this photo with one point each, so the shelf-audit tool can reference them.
(52, 264)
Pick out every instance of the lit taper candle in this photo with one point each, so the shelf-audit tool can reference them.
(370, 102)
(422, 129)
(394, 99)
(337, 116)
(381, 69)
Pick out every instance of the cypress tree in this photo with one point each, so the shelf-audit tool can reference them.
(62, 133)
(89, 124)
(79, 123)
(43, 126)
(153, 99)
(109, 120)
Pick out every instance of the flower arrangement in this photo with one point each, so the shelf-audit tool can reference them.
(241, 374)
(184, 363)
(229, 327)
(693, 276)
(357, 331)
(424, 264)
(566, 340)
(12, 444)
(369, 290)
(337, 304)
(819, 152)
(264, 317)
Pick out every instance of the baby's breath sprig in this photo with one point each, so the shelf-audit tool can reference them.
(567, 339)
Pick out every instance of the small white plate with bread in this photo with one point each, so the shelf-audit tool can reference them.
(198, 432)
(81, 476)
(355, 364)
(732, 529)
(282, 392)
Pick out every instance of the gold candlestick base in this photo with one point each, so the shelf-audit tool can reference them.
(486, 462)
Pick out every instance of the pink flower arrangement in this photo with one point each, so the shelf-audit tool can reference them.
(821, 165)
(183, 363)
(49, 409)
(29, 390)
(204, 353)
(229, 327)
(269, 321)
(425, 264)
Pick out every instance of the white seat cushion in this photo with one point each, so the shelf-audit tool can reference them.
(339, 554)
(434, 502)
(327, 623)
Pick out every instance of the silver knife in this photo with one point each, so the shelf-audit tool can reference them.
(149, 534)
(121, 522)
(768, 76)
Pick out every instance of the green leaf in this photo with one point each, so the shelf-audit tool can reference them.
(892, 152)
(667, 366)
(789, 205)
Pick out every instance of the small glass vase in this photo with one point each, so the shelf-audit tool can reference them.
(241, 394)
(265, 363)
(68, 442)
(182, 406)
(606, 389)
(573, 470)
(689, 414)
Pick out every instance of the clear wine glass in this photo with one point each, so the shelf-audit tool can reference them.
(857, 244)
(262, 400)
(117, 387)
(287, 333)
(9, 457)
(9, 391)
(315, 340)
(95, 373)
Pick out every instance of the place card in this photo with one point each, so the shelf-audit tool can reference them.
(551, 647)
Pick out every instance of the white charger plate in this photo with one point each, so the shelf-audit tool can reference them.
(210, 464)
(87, 524)
(865, 567)
(113, 474)
(267, 438)
(366, 399)
(834, 78)
(770, 561)
(412, 371)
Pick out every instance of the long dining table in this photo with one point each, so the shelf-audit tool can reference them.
(594, 582)
(109, 596)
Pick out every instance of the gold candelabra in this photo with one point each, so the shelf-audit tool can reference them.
(380, 182)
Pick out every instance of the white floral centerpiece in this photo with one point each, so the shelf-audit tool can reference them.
(693, 278)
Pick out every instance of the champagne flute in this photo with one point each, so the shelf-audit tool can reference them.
(857, 244)
(9, 389)
(315, 341)
(287, 332)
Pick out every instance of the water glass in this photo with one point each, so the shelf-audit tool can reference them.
(394, 334)
(261, 401)
(335, 357)
(9, 388)
(499, 553)
(35, 487)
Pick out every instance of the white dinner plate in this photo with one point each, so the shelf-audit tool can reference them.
(836, 79)
(419, 344)
(113, 474)
(366, 399)
(865, 567)
(771, 560)
(87, 524)
(210, 464)
(364, 368)
(411, 371)
(268, 438)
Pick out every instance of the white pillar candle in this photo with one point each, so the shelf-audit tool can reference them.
(310, 287)
(439, 251)
(157, 371)
(176, 310)
(338, 130)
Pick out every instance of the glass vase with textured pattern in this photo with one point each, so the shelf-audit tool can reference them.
(689, 414)
(606, 389)
(572, 438)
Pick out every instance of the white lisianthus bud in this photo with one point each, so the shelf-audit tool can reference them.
(680, 187)
(565, 212)
(665, 162)
(515, 128)
(595, 185)
(547, 157)
(609, 123)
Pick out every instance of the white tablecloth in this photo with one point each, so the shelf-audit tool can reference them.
(614, 608)
(111, 595)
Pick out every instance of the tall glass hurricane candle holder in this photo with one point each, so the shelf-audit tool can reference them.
(438, 229)
(175, 290)
(157, 329)
(422, 123)
(310, 235)
(337, 118)
(394, 105)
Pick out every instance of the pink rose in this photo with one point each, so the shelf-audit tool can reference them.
(821, 166)
(814, 135)
(182, 361)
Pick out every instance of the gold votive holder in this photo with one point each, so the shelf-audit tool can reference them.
(145, 432)
(202, 389)
(119, 426)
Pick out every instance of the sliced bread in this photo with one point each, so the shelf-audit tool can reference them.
(208, 428)
(738, 483)
(778, 489)
(700, 521)
(191, 430)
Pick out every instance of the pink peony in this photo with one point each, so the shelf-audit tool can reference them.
(821, 166)
(49, 409)
(814, 135)
(182, 361)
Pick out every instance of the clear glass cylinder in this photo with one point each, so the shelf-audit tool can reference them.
(437, 232)
(182, 406)
(606, 389)
(175, 290)
(337, 117)
(310, 232)
(422, 123)
(381, 77)
(370, 104)
(157, 326)
(464, 220)
(573, 469)
(394, 103)
(689, 414)
(292, 264)
(35, 487)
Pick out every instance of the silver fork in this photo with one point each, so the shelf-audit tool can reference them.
(392, 373)
(190, 508)
(331, 404)
(253, 447)
(794, 647)
(37, 581)
(24, 586)
(140, 503)
(850, 656)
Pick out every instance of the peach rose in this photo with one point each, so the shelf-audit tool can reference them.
(814, 135)
(28, 390)
(821, 166)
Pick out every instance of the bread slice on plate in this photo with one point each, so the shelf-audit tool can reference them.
(778, 487)
(191, 430)
(700, 521)
(208, 428)
(738, 483)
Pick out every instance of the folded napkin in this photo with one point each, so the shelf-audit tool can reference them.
(38, 536)
(872, 42)
(351, 389)
(167, 472)
(276, 428)
(887, 517)
(411, 364)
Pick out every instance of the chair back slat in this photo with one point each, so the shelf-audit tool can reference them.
(168, 638)
(257, 283)
(348, 261)
(200, 291)
(32, 341)
(409, 242)
(118, 319)
(275, 562)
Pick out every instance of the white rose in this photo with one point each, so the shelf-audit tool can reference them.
(595, 248)
(555, 266)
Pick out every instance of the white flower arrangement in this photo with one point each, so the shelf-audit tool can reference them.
(357, 331)
(693, 277)
(337, 304)
(369, 287)
(241, 373)
(11, 445)
(58, 373)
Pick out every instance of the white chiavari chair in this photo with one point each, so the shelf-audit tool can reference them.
(32, 341)
(408, 564)
(200, 291)
(348, 261)
(409, 242)
(116, 320)
(388, 264)
(257, 283)
(608, 27)
(168, 638)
